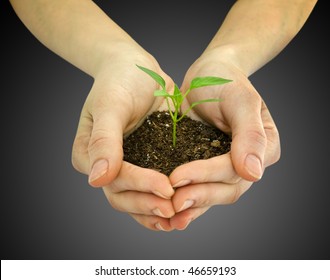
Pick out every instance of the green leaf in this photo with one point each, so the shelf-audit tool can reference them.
(207, 81)
(153, 75)
(177, 95)
(205, 101)
(176, 90)
(196, 103)
(162, 93)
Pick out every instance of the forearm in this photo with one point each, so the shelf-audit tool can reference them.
(255, 31)
(77, 30)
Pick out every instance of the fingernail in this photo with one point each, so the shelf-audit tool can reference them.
(99, 169)
(159, 226)
(157, 212)
(186, 224)
(188, 203)
(160, 195)
(182, 183)
(253, 166)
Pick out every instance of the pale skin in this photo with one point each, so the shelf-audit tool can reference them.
(253, 33)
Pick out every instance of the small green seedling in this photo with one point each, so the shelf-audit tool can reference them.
(178, 97)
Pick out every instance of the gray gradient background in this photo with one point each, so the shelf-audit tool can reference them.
(48, 211)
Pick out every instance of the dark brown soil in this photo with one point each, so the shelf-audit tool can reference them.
(150, 145)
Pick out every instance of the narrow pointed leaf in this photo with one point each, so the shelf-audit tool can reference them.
(161, 92)
(204, 101)
(196, 103)
(176, 90)
(153, 75)
(177, 95)
(207, 81)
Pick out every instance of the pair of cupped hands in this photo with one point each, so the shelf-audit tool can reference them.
(119, 101)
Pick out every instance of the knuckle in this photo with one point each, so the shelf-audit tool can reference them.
(97, 140)
(76, 165)
(273, 146)
(75, 161)
(277, 156)
(116, 187)
(114, 204)
(113, 198)
(205, 201)
(235, 194)
(238, 190)
(259, 137)
(234, 179)
(79, 151)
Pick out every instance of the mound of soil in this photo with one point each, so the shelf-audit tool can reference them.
(150, 146)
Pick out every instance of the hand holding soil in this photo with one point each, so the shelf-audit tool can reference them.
(167, 200)
(208, 173)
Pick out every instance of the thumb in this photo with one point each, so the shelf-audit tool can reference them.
(105, 149)
(248, 140)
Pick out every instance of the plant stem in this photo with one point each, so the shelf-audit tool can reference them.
(187, 92)
(175, 120)
(169, 108)
(174, 134)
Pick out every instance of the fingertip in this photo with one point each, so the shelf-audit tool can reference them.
(99, 169)
(248, 152)
(101, 174)
(245, 172)
(163, 226)
(168, 194)
(159, 184)
(181, 183)
(253, 167)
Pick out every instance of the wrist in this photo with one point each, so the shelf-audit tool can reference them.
(123, 52)
(235, 55)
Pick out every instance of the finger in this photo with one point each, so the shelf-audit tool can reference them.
(183, 219)
(105, 148)
(249, 139)
(208, 194)
(240, 114)
(273, 151)
(80, 157)
(97, 148)
(153, 222)
(216, 169)
(139, 203)
(135, 178)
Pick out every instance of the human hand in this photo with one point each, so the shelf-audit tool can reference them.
(120, 99)
(255, 142)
